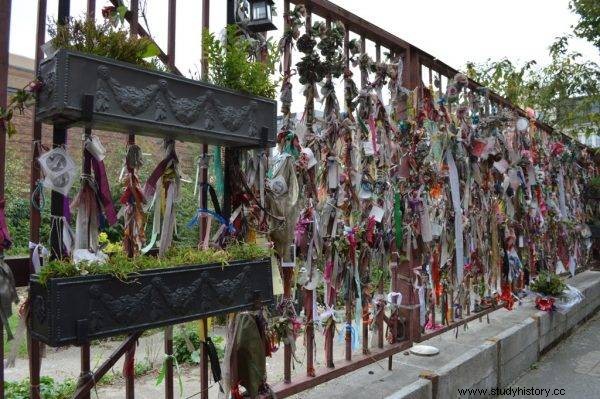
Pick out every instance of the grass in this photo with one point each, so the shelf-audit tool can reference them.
(122, 267)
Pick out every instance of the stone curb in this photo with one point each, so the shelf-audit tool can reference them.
(502, 358)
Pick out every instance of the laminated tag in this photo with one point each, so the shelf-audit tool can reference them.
(366, 190)
(377, 213)
(61, 183)
(289, 257)
(368, 148)
(276, 277)
(332, 173)
(56, 162)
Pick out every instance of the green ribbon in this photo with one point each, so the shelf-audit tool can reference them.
(362, 125)
(398, 220)
(218, 172)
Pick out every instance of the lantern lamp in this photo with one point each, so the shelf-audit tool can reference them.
(261, 16)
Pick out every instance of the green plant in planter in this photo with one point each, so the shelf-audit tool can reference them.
(231, 64)
(122, 267)
(105, 40)
(548, 284)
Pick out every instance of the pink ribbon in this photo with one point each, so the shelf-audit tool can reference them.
(5, 240)
(373, 128)
(104, 190)
(300, 232)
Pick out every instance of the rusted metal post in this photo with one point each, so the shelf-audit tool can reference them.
(171, 33)
(380, 308)
(169, 329)
(5, 7)
(84, 350)
(59, 138)
(34, 212)
(364, 77)
(129, 372)
(85, 367)
(364, 74)
(346, 47)
(204, 203)
(169, 362)
(133, 31)
(288, 274)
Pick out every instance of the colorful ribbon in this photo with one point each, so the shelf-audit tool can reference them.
(5, 240)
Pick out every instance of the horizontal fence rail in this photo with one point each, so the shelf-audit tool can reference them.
(421, 69)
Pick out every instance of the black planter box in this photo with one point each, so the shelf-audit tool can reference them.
(130, 99)
(75, 310)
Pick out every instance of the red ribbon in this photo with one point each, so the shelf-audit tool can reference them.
(370, 231)
(507, 296)
(544, 303)
(373, 128)
(5, 240)
(150, 186)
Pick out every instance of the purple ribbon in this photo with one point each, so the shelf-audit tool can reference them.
(67, 208)
(104, 190)
(150, 186)
(5, 241)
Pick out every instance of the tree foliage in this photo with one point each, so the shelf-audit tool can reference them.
(588, 26)
(565, 93)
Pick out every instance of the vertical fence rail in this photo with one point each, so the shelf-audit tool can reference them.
(169, 391)
(204, 204)
(414, 61)
(5, 8)
(129, 365)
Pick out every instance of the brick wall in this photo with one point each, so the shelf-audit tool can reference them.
(19, 151)
(19, 147)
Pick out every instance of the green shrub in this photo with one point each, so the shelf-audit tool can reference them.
(548, 284)
(182, 352)
(49, 389)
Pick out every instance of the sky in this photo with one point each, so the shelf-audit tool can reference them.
(454, 31)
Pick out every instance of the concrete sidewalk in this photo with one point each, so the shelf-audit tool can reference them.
(573, 366)
(484, 355)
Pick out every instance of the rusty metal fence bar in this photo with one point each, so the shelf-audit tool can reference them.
(417, 65)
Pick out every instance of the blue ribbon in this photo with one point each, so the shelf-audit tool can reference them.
(219, 218)
(355, 337)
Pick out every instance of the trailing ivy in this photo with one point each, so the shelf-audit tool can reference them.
(122, 267)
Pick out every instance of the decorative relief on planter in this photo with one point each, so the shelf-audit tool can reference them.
(131, 99)
(106, 306)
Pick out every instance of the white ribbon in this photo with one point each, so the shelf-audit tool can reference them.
(458, 222)
(39, 252)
